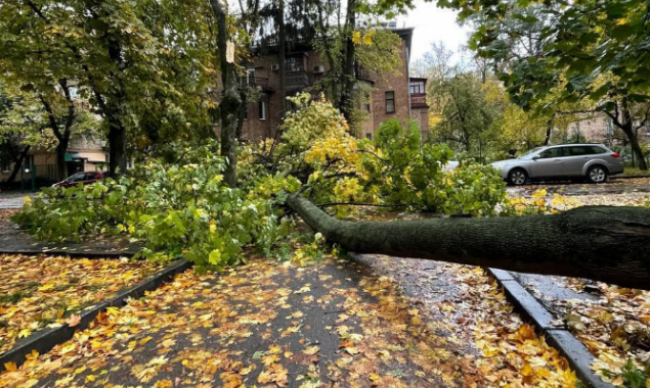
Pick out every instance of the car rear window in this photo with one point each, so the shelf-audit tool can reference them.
(598, 150)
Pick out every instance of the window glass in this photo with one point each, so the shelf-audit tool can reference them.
(417, 87)
(597, 150)
(78, 177)
(580, 151)
(390, 102)
(551, 153)
(262, 110)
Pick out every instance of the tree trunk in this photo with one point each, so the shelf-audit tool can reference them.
(60, 161)
(627, 125)
(116, 131)
(609, 244)
(282, 57)
(549, 130)
(18, 164)
(636, 147)
(230, 103)
(347, 94)
(117, 148)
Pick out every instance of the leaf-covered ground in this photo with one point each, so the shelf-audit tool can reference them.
(41, 291)
(613, 322)
(616, 329)
(332, 324)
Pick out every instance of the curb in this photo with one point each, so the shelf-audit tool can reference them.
(44, 340)
(532, 311)
(629, 177)
(71, 254)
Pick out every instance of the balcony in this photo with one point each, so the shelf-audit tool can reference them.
(296, 80)
(258, 82)
(419, 100)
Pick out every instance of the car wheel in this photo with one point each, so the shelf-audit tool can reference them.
(517, 177)
(597, 174)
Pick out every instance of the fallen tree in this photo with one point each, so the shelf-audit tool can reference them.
(609, 244)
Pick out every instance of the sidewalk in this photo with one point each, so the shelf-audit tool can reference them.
(333, 324)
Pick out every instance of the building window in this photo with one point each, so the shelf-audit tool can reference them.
(390, 102)
(261, 107)
(5, 166)
(367, 102)
(417, 87)
(250, 79)
(293, 65)
(369, 136)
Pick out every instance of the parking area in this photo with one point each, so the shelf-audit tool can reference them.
(615, 192)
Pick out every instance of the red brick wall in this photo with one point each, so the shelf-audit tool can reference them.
(255, 129)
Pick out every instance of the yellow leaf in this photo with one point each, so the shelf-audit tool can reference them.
(33, 356)
(164, 384)
(24, 333)
(356, 37)
(11, 366)
(144, 340)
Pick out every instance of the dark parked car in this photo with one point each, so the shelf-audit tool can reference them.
(592, 161)
(85, 178)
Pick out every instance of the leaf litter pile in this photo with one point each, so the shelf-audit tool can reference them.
(46, 291)
(616, 329)
(330, 324)
(615, 324)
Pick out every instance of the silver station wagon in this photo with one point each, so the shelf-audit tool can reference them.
(592, 161)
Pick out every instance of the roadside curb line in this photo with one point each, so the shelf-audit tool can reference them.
(629, 177)
(534, 312)
(92, 254)
(44, 340)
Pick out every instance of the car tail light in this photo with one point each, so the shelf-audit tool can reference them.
(615, 155)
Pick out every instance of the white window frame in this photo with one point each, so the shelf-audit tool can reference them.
(261, 110)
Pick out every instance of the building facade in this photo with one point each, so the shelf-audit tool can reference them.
(387, 97)
(599, 128)
(83, 154)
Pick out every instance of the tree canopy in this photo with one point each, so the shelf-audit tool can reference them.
(589, 51)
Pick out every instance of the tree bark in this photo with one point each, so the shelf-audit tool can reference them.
(627, 126)
(549, 129)
(230, 104)
(636, 146)
(18, 164)
(609, 244)
(116, 129)
(348, 73)
(282, 57)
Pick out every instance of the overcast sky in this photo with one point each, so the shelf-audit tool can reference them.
(433, 24)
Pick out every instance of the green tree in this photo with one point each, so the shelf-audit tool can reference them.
(143, 65)
(590, 51)
(34, 121)
(469, 115)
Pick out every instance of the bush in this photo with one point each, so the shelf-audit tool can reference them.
(176, 203)
(172, 208)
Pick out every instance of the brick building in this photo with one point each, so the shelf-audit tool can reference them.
(391, 96)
